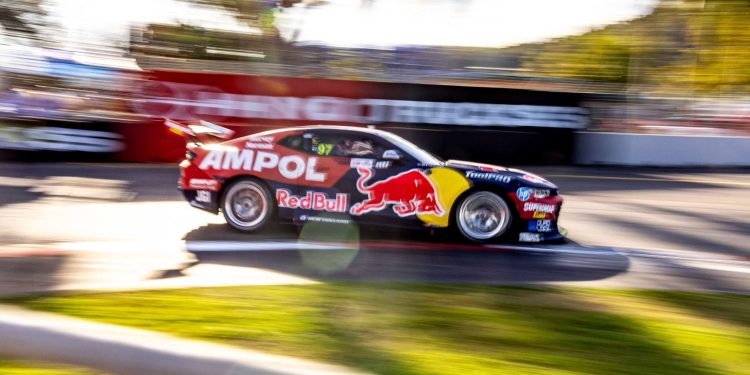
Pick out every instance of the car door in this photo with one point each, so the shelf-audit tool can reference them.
(326, 198)
(375, 181)
(318, 173)
(385, 185)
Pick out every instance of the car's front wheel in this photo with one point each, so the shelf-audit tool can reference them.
(483, 216)
(247, 205)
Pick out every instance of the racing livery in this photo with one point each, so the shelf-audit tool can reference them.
(340, 175)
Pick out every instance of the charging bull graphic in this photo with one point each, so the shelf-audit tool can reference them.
(410, 192)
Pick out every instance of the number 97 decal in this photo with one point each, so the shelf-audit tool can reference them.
(323, 149)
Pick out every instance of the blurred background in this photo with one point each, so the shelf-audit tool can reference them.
(636, 66)
(638, 109)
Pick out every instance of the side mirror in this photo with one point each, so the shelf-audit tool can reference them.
(391, 155)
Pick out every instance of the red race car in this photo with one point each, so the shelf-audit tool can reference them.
(340, 175)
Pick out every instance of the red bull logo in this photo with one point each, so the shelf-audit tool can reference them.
(410, 193)
(312, 201)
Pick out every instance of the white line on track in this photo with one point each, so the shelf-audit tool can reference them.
(716, 262)
(241, 246)
(652, 179)
(718, 266)
(244, 246)
(576, 250)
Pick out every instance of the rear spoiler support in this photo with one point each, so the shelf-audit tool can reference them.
(197, 132)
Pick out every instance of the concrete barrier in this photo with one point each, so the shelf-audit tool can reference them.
(661, 150)
(127, 351)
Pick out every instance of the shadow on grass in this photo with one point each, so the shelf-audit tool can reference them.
(550, 330)
(357, 343)
(732, 309)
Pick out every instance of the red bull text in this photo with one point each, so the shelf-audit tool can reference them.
(312, 201)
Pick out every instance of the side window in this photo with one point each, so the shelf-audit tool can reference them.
(294, 142)
(357, 147)
(343, 146)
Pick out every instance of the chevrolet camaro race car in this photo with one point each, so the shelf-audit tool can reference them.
(340, 175)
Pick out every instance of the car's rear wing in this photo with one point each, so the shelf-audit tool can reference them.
(203, 132)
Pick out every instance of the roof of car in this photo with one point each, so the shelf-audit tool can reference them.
(327, 127)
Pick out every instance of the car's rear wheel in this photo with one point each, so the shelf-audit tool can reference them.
(483, 216)
(247, 205)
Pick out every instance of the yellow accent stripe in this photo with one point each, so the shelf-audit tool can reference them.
(685, 180)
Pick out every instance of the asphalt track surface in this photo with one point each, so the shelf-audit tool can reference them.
(639, 228)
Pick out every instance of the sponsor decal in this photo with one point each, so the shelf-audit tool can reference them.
(540, 226)
(383, 164)
(15, 103)
(203, 196)
(58, 139)
(322, 219)
(539, 215)
(289, 166)
(201, 183)
(361, 163)
(261, 142)
(409, 192)
(541, 193)
(529, 237)
(535, 179)
(524, 193)
(312, 200)
(490, 176)
(539, 207)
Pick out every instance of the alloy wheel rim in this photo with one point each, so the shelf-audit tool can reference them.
(484, 215)
(246, 205)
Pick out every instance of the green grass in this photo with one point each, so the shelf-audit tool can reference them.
(443, 329)
(13, 367)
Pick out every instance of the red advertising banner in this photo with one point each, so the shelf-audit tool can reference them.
(249, 104)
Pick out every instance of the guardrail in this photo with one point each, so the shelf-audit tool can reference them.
(661, 150)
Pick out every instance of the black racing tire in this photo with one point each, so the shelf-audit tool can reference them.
(484, 216)
(247, 205)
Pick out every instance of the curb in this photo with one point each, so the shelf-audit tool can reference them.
(128, 351)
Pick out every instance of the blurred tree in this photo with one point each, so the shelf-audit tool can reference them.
(261, 14)
(257, 13)
(685, 46)
(597, 57)
(249, 11)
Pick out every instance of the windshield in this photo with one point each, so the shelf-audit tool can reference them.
(422, 156)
